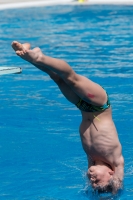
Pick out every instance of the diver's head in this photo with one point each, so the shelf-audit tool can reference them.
(100, 175)
(102, 179)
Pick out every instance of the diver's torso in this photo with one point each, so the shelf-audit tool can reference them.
(99, 136)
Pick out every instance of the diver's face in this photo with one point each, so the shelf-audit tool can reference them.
(99, 175)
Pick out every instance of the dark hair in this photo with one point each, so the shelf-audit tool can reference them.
(114, 185)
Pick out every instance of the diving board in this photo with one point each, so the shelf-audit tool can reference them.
(10, 70)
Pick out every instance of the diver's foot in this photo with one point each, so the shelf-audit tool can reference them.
(20, 48)
(23, 50)
(35, 57)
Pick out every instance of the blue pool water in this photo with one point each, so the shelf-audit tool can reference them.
(41, 157)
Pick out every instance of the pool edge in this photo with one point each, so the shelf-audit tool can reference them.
(13, 5)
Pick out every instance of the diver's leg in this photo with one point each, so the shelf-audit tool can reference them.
(82, 86)
(64, 88)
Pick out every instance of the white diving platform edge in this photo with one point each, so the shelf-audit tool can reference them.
(10, 70)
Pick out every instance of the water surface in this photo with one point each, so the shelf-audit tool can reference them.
(41, 156)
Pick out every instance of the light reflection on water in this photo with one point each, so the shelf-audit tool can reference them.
(40, 146)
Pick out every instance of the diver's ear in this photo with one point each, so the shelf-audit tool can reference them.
(111, 172)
